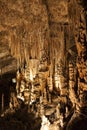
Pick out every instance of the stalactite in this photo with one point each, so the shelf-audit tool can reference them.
(80, 41)
(81, 48)
(42, 70)
(72, 94)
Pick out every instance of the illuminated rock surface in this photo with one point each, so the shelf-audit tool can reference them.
(43, 64)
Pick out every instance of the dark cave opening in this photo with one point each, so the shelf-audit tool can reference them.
(77, 123)
(6, 85)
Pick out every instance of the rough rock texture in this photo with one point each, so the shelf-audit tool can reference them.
(45, 43)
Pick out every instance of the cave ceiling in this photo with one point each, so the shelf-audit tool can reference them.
(22, 22)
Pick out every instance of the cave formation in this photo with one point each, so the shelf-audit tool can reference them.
(43, 64)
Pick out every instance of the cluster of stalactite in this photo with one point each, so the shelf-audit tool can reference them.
(79, 91)
(81, 44)
(50, 80)
(42, 73)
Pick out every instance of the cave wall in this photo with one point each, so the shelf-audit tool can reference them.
(44, 41)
